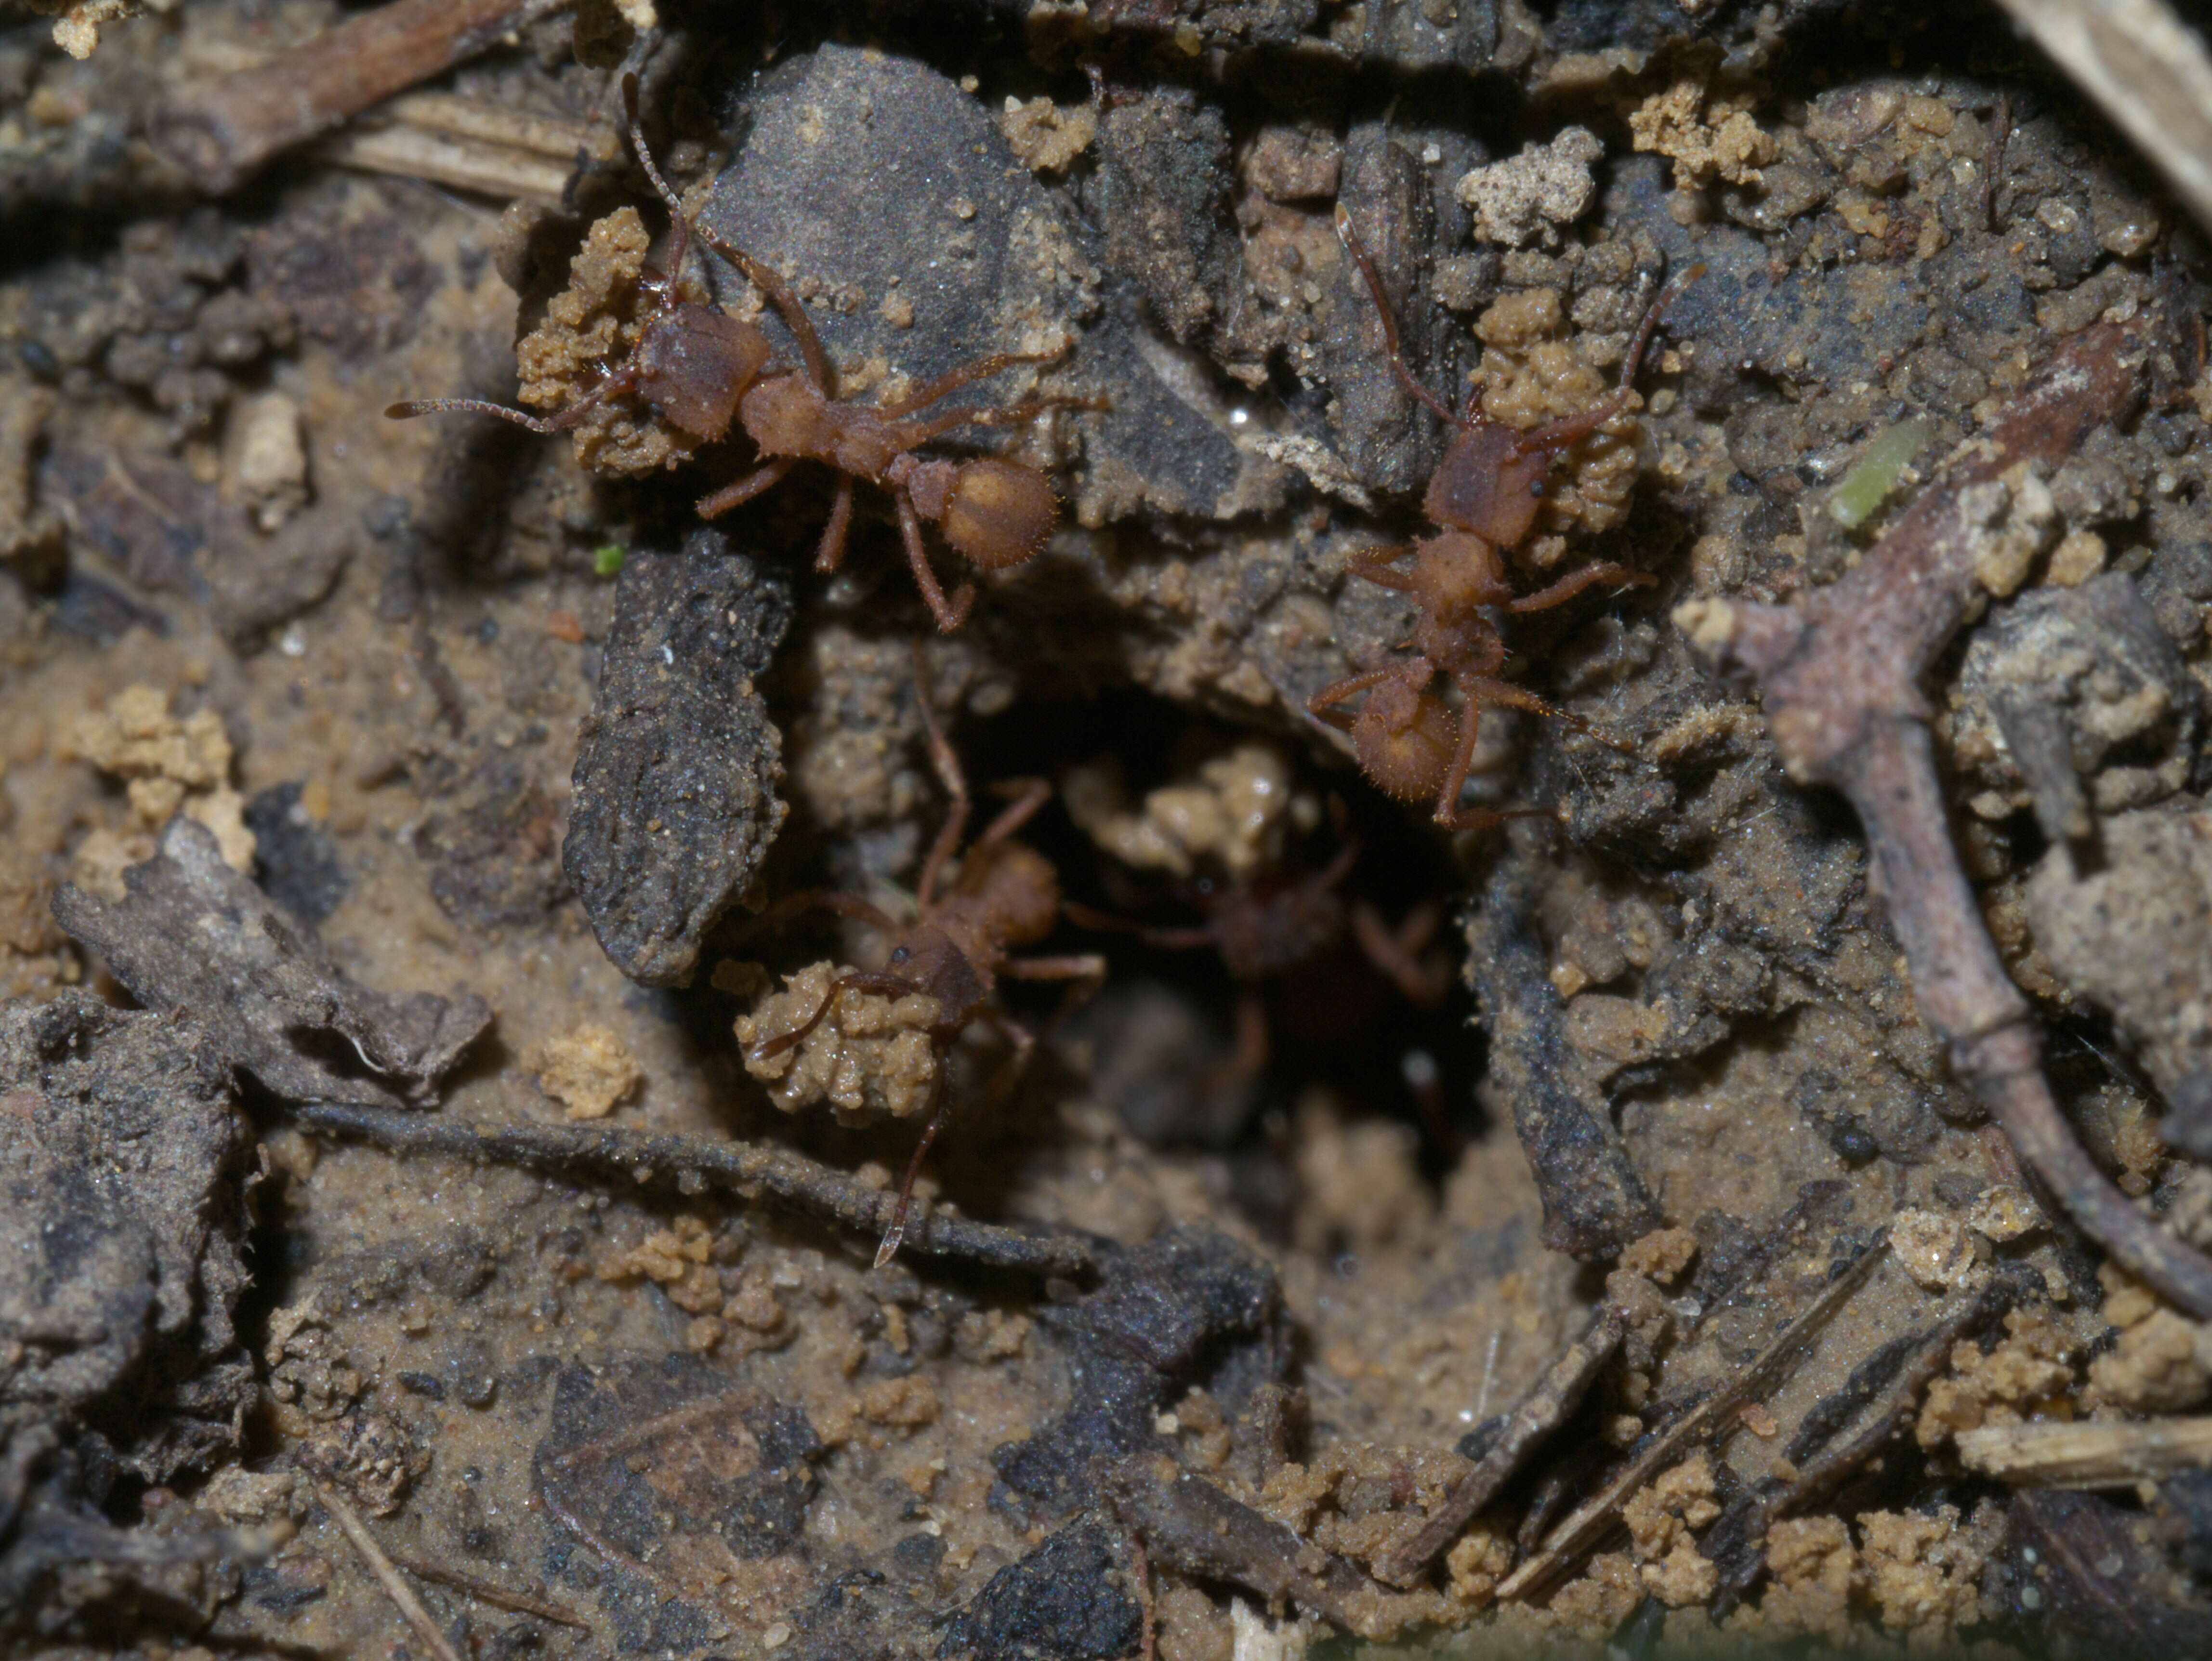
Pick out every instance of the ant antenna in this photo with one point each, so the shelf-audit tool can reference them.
(679, 226)
(1358, 249)
(1670, 292)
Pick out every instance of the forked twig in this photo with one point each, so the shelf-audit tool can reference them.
(1841, 673)
(750, 1168)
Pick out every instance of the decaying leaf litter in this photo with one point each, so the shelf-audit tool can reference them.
(362, 1197)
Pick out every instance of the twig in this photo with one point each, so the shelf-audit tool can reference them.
(1843, 1432)
(1537, 1414)
(222, 131)
(2061, 1455)
(398, 1590)
(1841, 674)
(463, 164)
(1583, 1528)
(506, 1597)
(2147, 71)
(749, 1168)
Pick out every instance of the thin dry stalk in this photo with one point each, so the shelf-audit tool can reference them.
(460, 164)
(221, 132)
(749, 1169)
(1579, 1532)
(402, 1594)
(490, 1591)
(2090, 1456)
(1537, 1415)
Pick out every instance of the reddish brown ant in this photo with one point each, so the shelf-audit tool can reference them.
(1005, 894)
(700, 370)
(1484, 495)
(1273, 921)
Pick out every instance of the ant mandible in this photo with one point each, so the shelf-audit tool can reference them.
(1484, 495)
(699, 370)
(1003, 895)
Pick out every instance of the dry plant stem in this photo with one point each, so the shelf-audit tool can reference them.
(506, 1597)
(1582, 1529)
(2147, 71)
(387, 1577)
(1537, 1414)
(462, 164)
(1841, 674)
(467, 144)
(2065, 1456)
(748, 1168)
(222, 131)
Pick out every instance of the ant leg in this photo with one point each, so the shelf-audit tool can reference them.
(895, 1235)
(1086, 972)
(1251, 1048)
(769, 281)
(814, 899)
(950, 614)
(1376, 565)
(679, 228)
(1520, 698)
(880, 982)
(1350, 686)
(1029, 795)
(752, 485)
(1569, 429)
(1358, 249)
(829, 554)
(1086, 969)
(981, 369)
(1462, 763)
(1603, 570)
(1255, 1044)
(1397, 953)
(979, 415)
(1191, 939)
(1560, 434)
(955, 786)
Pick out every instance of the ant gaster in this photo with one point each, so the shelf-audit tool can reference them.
(700, 370)
(1005, 894)
(1484, 495)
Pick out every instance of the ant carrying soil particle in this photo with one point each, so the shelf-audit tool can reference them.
(1003, 895)
(700, 370)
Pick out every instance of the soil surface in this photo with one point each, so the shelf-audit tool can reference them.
(422, 1183)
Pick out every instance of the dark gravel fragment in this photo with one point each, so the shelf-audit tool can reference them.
(121, 1224)
(1191, 1307)
(675, 801)
(1061, 1602)
(1594, 1202)
(294, 857)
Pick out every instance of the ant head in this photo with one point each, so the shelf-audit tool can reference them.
(694, 365)
(998, 514)
(1404, 740)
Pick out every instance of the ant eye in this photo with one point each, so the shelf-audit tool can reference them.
(1536, 489)
(901, 955)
